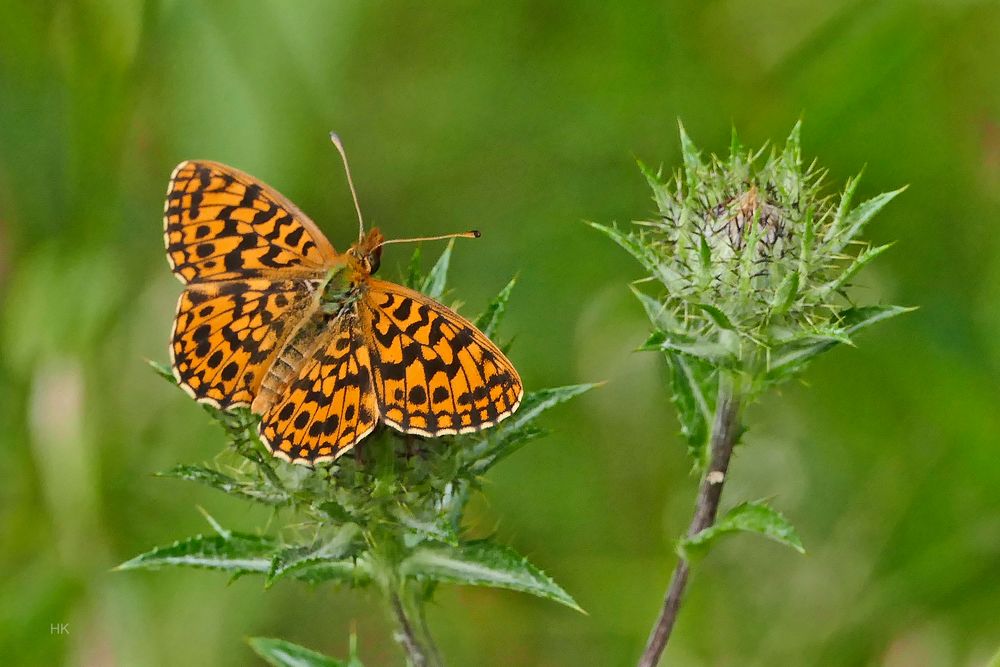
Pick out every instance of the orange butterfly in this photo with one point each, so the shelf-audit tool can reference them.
(273, 317)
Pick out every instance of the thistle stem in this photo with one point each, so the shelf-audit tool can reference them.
(725, 433)
(413, 633)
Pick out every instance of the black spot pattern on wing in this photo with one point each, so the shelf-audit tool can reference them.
(220, 224)
(227, 334)
(330, 405)
(435, 373)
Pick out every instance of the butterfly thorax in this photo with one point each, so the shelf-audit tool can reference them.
(337, 294)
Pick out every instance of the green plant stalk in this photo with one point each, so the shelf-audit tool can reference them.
(412, 631)
(406, 599)
(726, 430)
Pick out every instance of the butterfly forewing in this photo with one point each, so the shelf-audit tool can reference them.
(330, 404)
(226, 335)
(221, 224)
(435, 373)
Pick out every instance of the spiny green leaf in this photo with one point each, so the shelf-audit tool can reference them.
(790, 359)
(537, 402)
(335, 552)
(162, 371)
(844, 231)
(238, 553)
(843, 207)
(661, 193)
(755, 517)
(281, 653)
(354, 572)
(496, 449)
(842, 280)
(484, 563)
(750, 253)
(792, 154)
(735, 146)
(692, 157)
(434, 284)
(333, 511)
(786, 293)
(218, 480)
(708, 351)
(657, 312)
(717, 316)
(516, 430)
(645, 255)
(693, 410)
(489, 320)
(414, 277)
(423, 529)
(806, 244)
(652, 177)
(705, 260)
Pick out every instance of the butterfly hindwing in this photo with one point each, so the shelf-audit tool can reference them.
(434, 372)
(227, 334)
(330, 404)
(221, 224)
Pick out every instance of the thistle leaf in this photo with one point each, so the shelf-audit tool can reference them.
(786, 294)
(844, 207)
(484, 563)
(227, 484)
(793, 356)
(434, 284)
(691, 155)
(335, 556)
(238, 553)
(661, 193)
(657, 312)
(162, 371)
(844, 278)
(356, 572)
(425, 530)
(489, 320)
(735, 145)
(717, 316)
(693, 410)
(645, 255)
(414, 277)
(792, 153)
(845, 230)
(497, 449)
(281, 653)
(807, 243)
(705, 350)
(754, 517)
(537, 402)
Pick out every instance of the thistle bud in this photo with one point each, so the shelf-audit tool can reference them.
(750, 256)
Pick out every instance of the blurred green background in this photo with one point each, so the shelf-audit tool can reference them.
(521, 119)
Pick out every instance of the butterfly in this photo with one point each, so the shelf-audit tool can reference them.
(272, 317)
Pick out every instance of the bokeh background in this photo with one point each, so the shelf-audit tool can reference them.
(520, 118)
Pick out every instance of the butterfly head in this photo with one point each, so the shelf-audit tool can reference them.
(367, 252)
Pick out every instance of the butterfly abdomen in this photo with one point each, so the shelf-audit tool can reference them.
(287, 363)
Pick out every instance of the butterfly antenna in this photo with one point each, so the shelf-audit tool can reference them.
(471, 234)
(350, 181)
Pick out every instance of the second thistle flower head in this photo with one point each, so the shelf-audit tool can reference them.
(752, 259)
